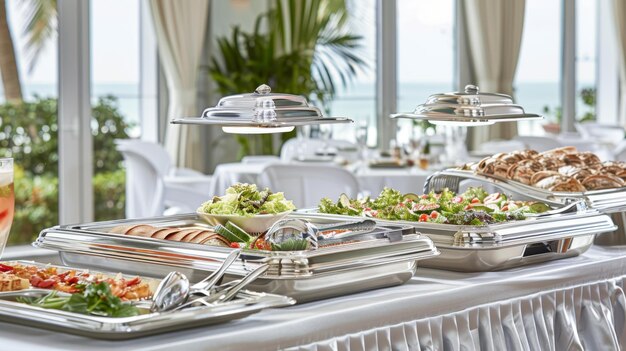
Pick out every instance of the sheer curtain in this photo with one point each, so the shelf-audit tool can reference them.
(180, 29)
(494, 33)
(620, 30)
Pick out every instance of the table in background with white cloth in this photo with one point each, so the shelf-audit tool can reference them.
(372, 181)
(571, 304)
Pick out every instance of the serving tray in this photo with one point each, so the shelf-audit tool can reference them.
(606, 201)
(510, 244)
(109, 328)
(304, 275)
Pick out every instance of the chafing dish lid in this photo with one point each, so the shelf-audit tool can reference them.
(262, 109)
(469, 108)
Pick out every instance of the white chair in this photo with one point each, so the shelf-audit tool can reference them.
(295, 147)
(152, 184)
(539, 143)
(620, 152)
(305, 185)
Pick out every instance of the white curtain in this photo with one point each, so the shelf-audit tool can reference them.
(494, 33)
(180, 29)
(620, 24)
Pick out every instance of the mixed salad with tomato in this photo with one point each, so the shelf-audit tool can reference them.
(473, 207)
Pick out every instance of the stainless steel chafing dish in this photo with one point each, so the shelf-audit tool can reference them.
(118, 328)
(261, 112)
(608, 201)
(469, 108)
(567, 233)
(304, 275)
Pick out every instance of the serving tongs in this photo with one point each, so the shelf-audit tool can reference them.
(574, 207)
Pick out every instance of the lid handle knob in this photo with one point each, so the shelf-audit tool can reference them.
(471, 89)
(263, 89)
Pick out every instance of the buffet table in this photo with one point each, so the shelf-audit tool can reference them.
(372, 181)
(571, 304)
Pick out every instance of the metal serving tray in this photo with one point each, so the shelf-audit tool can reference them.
(505, 245)
(245, 303)
(304, 275)
(606, 201)
(609, 201)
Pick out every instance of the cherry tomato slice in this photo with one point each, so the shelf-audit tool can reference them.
(434, 215)
(5, 268)
(423, 217)
(475, 200)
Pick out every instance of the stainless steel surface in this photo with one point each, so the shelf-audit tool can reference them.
(469, 108)
(172, 292)
(616, 238)
(108, 328)
(290, 231)
(232, 291)
(209, 282)
(147, 323)
(262, 109)
(506, 245)
(306, 275)
(607, 201)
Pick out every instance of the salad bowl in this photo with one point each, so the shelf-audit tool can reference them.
(252, 223)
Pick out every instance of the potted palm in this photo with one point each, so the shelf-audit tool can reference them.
(298, 47)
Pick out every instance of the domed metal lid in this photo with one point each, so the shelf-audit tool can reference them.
(261, 112)
(469, 108)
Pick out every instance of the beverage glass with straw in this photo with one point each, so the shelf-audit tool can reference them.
(7, 200)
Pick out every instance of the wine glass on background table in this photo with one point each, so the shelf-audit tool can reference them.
(361, 139)
(7, 200)
(326, 132)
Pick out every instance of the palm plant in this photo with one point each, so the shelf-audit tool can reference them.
(40, 27)
(305, 49)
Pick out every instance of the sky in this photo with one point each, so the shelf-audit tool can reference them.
(114, 37)
(425, 41)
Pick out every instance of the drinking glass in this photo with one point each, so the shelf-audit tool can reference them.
(361, 139)
(7, 200)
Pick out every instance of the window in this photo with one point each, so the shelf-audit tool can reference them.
(117, 94)
(358, 100)
(28, 132)
(425, 54)
(586, 34)
(537, 82)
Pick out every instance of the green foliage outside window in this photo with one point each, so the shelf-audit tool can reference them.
(28, 133)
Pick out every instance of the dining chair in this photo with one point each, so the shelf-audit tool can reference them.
(255, 159)
(306, 185)
(154, 185)
(605, 133)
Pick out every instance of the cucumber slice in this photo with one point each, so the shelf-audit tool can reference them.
(227, 234)
(411, 196)
(344, 200)
(238, 232)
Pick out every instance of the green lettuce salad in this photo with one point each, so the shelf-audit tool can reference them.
(473, 207)
(246, 200)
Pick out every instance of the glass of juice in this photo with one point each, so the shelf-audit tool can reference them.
(7, 200)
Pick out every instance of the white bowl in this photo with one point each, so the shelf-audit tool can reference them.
(254, 224)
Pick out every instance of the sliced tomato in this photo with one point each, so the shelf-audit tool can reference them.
(434, 215)
(5, 268)
(457, 199)
(133, 281)
(45, 284)
(475, 200)
(423, 217)
(505, 208)
(234, 245)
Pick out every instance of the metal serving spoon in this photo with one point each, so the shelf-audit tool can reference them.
(175, 289)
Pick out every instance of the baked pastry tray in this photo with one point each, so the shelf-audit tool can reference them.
(306, 275)
(511, 244)
(110, 328)
(606, 201)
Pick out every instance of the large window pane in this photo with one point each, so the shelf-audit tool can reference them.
(116, 97)
(586, 34)
(358, 100)
(538, 71)
(425, 54)
(28, 131)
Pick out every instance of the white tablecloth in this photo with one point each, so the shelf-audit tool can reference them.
(570, 304)
(371, 181)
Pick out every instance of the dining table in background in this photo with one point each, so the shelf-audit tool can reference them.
(371, 180)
